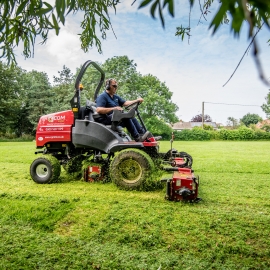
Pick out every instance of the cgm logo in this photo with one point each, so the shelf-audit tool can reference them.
(56, 118)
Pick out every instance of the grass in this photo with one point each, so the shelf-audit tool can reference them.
(79, 225)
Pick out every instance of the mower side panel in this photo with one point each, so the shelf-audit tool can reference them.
(89, 134)
(56, 127)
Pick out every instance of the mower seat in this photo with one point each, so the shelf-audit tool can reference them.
(90, 112)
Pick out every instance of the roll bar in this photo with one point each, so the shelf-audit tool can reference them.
(81, 73)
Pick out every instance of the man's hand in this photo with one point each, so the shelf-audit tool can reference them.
(140, 99)
(118, 108)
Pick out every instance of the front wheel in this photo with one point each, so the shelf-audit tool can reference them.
(131, 168)
(45, 170)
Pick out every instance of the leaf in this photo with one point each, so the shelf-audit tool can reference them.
(56, 26)
(43, 11)
(21, 7)
(170, 6)
(219, 16)
(48, 5)
(71, 5)
(191, 2)
(161, 16)
(153, 8)
(58, 5)
(144, 3)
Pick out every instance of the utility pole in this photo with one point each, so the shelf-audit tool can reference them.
(202, 113)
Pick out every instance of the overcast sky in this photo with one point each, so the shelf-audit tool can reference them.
(194, 71)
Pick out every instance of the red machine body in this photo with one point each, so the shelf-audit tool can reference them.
(183, 186)
(55, 127)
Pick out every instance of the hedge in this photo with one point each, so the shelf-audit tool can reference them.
(241, 134)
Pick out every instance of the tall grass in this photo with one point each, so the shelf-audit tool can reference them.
(79, 225)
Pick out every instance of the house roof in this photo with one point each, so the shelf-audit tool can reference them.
(262, 123)
(182, 125)
(190, 125)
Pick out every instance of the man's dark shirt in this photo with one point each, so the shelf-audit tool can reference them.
(106, 101)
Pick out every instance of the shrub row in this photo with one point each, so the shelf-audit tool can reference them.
(6, 137)
(241, 134)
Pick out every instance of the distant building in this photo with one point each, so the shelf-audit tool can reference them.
(262, 123)
(189, 125)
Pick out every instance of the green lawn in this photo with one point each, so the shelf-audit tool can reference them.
(79, 225)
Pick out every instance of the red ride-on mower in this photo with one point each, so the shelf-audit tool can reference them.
(73, 138)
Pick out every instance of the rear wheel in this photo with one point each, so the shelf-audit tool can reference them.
(131, 168)
(45, 170)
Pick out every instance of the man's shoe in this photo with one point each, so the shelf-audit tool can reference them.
(142, 138)
(158, 138)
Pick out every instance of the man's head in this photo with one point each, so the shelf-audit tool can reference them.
(111, 85)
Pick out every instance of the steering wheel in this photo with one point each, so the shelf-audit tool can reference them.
(133, 105)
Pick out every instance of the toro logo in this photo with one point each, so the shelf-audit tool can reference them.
(59, 118)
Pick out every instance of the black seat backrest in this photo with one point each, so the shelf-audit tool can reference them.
(87, 112)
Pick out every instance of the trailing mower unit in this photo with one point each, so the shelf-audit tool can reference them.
(88, 149)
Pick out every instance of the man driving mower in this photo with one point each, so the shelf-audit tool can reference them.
(108, 101)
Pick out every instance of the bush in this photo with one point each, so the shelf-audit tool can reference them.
(261, 135)
(241, 134)
(245, 133)
(12, 137)
(195, 134)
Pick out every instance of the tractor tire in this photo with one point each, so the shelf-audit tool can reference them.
(131, 168)
(45, 170)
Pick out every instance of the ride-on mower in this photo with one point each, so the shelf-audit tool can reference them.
(97, 152)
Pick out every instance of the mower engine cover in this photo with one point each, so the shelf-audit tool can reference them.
(54, 128)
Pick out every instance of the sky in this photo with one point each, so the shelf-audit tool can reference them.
(194, 70)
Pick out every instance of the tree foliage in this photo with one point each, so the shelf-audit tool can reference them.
(232, 122)
(10, 94)
(198, 118)
(62, 91)
(266, 106)
(22, 22)
(25, 21)
(250, 118)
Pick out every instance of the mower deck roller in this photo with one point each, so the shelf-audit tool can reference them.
(96, 152)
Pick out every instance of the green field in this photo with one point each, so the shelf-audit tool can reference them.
(79, 225)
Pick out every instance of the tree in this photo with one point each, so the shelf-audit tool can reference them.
(125, 72)
(157, 99)
(39, 96)
(25, 21)
(233, 122)
(250, 119)
(62, 90)
(266, 106)
(198, 118)
(10, 95)
(158, 127)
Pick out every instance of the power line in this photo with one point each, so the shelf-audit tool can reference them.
(232, 104)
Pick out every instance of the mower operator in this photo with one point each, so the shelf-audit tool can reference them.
(108, 101)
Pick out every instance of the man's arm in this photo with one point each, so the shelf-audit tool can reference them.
(103, 110)
(128, 102)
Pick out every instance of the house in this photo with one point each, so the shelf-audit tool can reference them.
(189, 125)
(262, 123)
